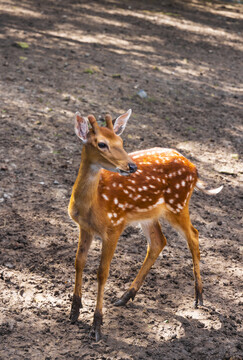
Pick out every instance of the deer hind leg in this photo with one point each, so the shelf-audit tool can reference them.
(156, 243)
(183, 223)
(108, 249)
(85, 240)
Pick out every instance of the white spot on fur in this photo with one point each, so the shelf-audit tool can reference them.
(114, 184)
(109, 215)
(131, 188)
(145, 188)
(115, 215)
(170, 208)
(105, 197)
(177, 186)
(160, 201)
(119, 221)
(171, 201)
(183, 183)
(115, 201)
(125, 191)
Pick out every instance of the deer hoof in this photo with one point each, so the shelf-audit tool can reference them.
(75, 309)
(97, 326)
(130, 294)
(196, 303)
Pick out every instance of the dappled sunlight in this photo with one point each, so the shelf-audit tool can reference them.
(182, 24)
(22, 11)
(203, 317)
(219, 9)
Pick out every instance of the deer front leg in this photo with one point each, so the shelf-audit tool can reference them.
(85, 240)
(156, 243)
(108, 249)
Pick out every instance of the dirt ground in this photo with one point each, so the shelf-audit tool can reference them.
(58, 57)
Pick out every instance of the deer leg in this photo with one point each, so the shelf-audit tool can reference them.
(108, 249)
(193, 243)
(156, 243)
(85, 240)
(183, 223)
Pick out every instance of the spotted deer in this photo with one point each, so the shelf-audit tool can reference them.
(114, 189)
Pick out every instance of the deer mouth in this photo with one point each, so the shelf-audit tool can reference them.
(123, 172)
(132, 168)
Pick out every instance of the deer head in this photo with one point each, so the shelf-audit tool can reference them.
(104, 147)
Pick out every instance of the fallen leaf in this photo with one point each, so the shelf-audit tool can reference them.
(22, 45)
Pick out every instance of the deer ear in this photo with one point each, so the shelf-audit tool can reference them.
(81, 127)
(121, 122)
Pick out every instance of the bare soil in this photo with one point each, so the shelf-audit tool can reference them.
(94, 56)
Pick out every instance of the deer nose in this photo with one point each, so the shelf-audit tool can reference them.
(132, 167)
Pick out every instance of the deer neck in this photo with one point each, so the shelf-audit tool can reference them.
(86, 185)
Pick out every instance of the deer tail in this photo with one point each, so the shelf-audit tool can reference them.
(202, 186)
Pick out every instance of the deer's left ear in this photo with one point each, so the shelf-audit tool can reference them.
(121, 122)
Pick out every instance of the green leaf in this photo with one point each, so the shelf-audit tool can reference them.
(116, 76)
(22, 45)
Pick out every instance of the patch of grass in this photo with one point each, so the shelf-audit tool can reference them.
(116, 76)
(191, 128)
(89, 71)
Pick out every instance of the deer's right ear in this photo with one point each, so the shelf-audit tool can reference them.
(81, 127)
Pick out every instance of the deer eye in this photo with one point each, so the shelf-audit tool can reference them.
(102, 145)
